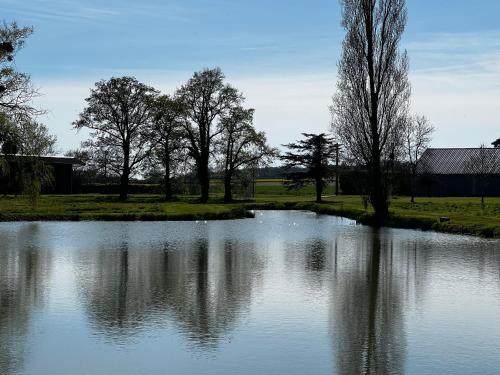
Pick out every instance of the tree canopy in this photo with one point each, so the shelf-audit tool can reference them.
(167, 136)
(16, 89)
(308, 160)
(119, 113)
(240, 145)
(206, 97)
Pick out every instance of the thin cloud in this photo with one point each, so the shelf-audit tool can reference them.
(119, 12)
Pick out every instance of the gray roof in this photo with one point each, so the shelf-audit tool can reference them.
(456, 160)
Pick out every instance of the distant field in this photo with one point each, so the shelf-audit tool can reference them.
(273, 187)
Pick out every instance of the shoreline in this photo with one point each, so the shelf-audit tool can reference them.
(233, 214)
(243, 210)
(394, 221)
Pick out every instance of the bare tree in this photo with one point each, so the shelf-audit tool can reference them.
(371, 103)
(119, 111)
(168, 138)
(313, 155)
(482, 163)
(206, 98)
(240, 145)
(417, 137)
(16, 89)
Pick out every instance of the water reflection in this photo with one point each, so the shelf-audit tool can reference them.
(24, 273)
(368, 326)
(200, 286)
(287, 292)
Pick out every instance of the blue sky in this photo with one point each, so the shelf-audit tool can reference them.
(282, 54)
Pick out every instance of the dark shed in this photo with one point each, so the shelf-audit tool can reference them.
(445, 172)
(62, 171)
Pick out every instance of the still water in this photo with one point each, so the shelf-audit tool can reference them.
(284, 293)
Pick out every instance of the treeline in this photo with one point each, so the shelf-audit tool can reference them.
(204, 127)
(138, 131)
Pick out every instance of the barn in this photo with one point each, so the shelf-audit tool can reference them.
(459, 172)
(62, 172)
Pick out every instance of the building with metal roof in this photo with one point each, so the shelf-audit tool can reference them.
(62, 172)
(459, 172)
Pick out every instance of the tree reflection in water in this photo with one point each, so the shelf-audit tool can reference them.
(367, 318)
(152, 288)
(25, 264)
(199, 285)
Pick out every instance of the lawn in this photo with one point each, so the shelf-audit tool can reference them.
(107, 207)
(466, 214)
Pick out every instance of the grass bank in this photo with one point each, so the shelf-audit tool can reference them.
(109, 208)
(466, 216)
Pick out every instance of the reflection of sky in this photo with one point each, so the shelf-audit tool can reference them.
(284, 299)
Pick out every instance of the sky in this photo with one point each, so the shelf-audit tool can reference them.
(282, 54)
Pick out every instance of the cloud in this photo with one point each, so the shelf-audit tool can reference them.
(63, 11)
(472, 51)
(456, 83)
(68, 11)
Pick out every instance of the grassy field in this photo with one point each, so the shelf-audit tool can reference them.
(273, 187)
(466, 214)
(107, 207)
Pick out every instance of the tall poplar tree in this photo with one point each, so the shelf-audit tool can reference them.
(371, 104)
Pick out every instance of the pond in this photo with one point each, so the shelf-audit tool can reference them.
(283, 293)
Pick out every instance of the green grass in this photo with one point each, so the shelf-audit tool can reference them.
(104, 207)
(272, 186)
(466, 214)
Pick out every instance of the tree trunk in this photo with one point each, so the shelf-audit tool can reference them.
(319, 190)
(204, 180)
(168, 181)
(412, 188)
(124, 182)
(228, 194)
(124, 179)
(168, 186)
(378, 196)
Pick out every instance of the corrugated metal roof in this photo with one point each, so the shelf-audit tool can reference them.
(457, 160)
